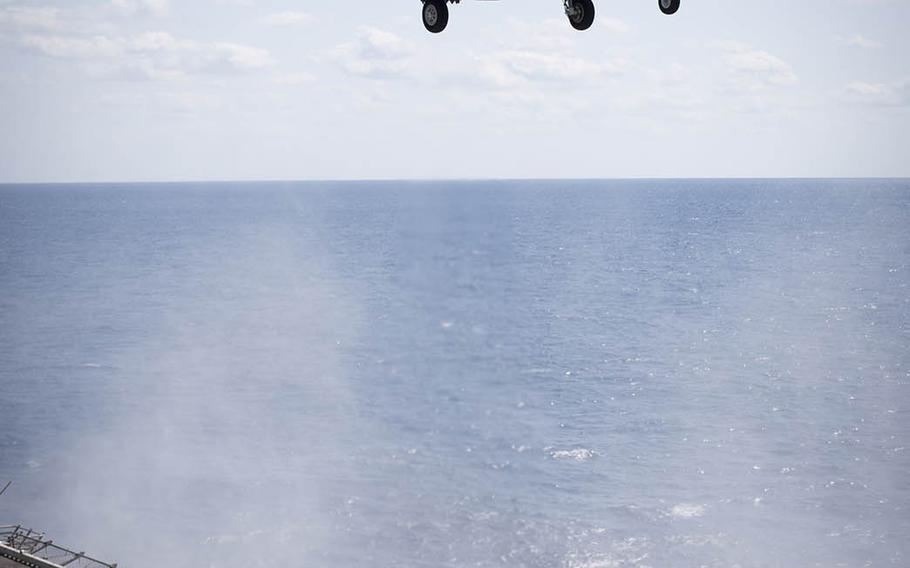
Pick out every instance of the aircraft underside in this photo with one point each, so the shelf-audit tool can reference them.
(579, 12)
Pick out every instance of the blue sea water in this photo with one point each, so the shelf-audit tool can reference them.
(407, 374)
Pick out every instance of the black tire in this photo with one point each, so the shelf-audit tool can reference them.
(668, 7)
(435, 15)
(584, 15)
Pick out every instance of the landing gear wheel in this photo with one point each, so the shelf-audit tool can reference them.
(435, 15)
(668, 7)
(581, 14)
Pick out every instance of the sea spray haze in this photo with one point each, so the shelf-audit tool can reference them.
(674, 373)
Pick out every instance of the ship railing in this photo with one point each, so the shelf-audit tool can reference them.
(36, 544)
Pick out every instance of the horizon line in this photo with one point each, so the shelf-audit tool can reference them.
(452, 180)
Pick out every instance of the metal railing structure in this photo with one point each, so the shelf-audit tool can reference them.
(33, 550)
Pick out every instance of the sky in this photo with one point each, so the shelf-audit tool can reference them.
(186, 90)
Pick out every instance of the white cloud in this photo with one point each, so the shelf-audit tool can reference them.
(860, 41)
(238, 57)
(285, 19)
(515, 67)
(376, 54)
(755, 69)
(379, 44)
(21, 18)
(153, 55)
(614, 25)
(154, 7)
(549, 34)
(877, 94)
(73, 47)
(294, 79)
(674, 74)
(543, 55)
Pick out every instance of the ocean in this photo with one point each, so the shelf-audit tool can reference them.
(561, 374)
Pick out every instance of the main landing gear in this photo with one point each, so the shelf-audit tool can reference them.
(580, 12)
(668, 7)
(435, 15)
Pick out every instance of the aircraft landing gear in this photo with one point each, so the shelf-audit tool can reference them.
(435, 15)
(668, 7)
(581, 13)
